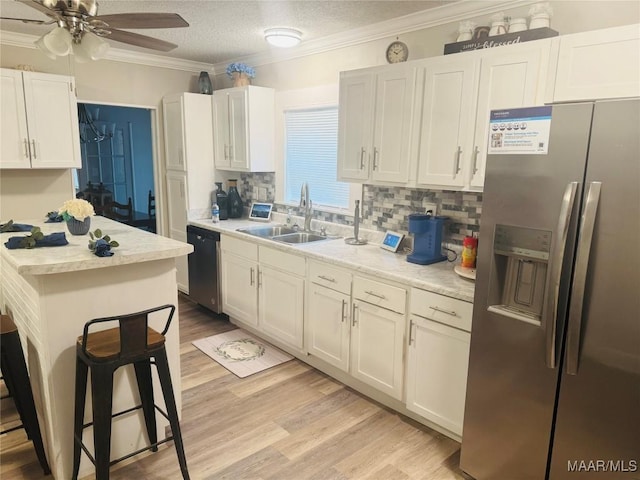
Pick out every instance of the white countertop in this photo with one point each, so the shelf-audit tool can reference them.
(135, 246)
(369, 259)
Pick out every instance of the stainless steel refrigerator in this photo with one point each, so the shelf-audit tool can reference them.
(554, 371)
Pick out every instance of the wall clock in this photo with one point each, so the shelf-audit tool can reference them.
(397, 52)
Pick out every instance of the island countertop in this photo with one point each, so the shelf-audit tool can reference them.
(135, 246)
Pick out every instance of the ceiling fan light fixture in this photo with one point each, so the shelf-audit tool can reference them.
(90, 47)
(283, 37)
(43, 48)
(58, 41)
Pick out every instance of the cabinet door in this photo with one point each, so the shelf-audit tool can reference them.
(394, 100)
(240, 288)
(238, 148)
(221, 129)
(327, 329)
(52, 119)
(355, 126)
(437, 372)
(14, 139)
(377, 340)
(177, 213)
(599, 64)
(174, 133)
(446, 133)
(281, 305)
(515, 79)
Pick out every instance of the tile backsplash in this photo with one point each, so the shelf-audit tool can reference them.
(384, 208)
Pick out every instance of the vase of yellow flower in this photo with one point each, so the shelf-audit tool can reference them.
(77, 213)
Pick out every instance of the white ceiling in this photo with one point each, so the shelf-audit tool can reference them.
(222, 30)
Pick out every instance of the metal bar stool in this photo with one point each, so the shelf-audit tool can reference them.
(132, 342)
(16, 379)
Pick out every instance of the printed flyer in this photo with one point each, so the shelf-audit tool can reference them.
(523, 131)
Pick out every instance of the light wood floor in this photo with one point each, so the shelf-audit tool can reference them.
(290, 422)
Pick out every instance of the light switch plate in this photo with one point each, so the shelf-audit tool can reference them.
(431, 206)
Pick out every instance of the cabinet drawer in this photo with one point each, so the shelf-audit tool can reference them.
(380, 294)
(241, 248)
(330, 277)
(447, 310)
(282, 261)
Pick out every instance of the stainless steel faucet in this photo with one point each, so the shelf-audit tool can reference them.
(307, 205)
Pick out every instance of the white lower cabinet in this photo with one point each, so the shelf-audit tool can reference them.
(377, 341)
(357, 336)
(264, 289)
(328, 327)
(438, 358)
(239, 280)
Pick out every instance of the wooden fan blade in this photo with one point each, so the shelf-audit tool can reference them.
(26, 20)
(140, 40)
(41, 8)
(142, 20)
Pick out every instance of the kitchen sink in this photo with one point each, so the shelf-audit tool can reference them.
(267, 231)
(282, 233)
(300, 237)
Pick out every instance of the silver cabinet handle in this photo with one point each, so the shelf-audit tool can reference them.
(375, 158)
(26, 148)
(374, 294)
(230, 152)
(585, 238)
(251, 276)
(259, 278)
(410, 330)
(328, 279)
(344, 315)
(456, 168)
(476, 151)
(362, 152)
(34, 153)
(550, 309)
(353, 316)
(226, 151)
(453, 313)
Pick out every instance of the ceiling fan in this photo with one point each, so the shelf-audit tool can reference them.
(78, 21)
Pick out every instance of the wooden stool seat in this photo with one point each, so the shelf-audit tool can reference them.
(133, 342)
(105, 345)
(16, 379)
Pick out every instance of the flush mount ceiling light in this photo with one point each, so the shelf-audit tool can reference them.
(283, 37)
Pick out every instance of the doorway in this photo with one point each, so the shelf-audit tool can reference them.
(116, 145)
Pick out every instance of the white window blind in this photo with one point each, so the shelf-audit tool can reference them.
(311, 154)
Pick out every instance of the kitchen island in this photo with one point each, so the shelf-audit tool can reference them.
(51, 292)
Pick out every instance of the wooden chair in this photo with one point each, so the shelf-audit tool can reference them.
(119, 211)
(151, 206)
(132, 342)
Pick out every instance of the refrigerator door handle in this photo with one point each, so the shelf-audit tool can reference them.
(585, 237)
(551, 308)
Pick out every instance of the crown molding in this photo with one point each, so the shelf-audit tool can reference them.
(22, 40)
(448, 13)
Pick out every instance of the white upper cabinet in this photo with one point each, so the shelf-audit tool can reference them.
(375, 122)
(188, 131)
(459, 93)
(39, 121)
(599, 64)
(448, 110)
(244, 131)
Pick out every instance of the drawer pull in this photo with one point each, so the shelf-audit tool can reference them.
(328, 279)
(377, 295)
(353, 316)
(344, 316)
(251, 277)
(26, 148)
(410, 330)
(453, 313)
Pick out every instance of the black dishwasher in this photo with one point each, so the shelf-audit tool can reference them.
(204, 268)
